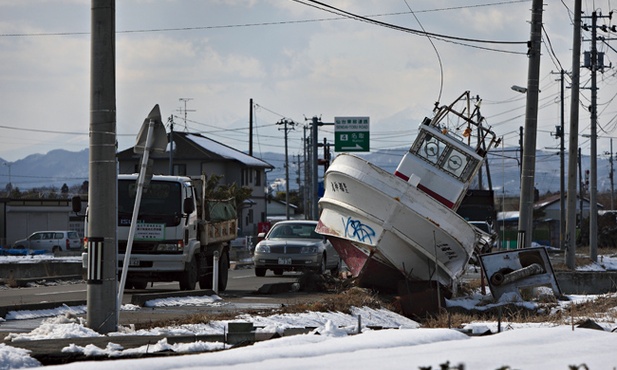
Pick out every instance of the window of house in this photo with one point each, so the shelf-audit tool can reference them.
(257, 178)
(180, 169)
(246, 176)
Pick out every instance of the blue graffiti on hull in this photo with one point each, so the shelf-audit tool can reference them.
(358, 230)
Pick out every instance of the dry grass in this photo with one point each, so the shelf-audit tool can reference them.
(582, 258)
(337, 302)
(602, 307)
(343, 302)
(548, 310)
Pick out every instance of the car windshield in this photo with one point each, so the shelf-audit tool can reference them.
(482, 226)
(294, 231)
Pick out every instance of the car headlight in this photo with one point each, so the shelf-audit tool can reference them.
(262, 248)
(312, 249)
(170, 247)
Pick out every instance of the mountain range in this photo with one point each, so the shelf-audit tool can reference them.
(59, 167)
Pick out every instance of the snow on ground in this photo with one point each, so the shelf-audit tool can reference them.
(36, 258)
(604, 263)
(335, 343)
(524, 347)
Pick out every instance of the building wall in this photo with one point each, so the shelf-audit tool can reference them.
(21, 221)
(553, 211)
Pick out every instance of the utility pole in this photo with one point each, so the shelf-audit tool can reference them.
(593, 184)
(326, 155)
(581, 185)
(316, 122)
(562, 185)
(562, 196)
(286, 122)
(102, 218)
(610, 176)
(574, 101)
(595, 64)
(479, 119)
(299, 178)
(307, 177)
(525, 221)
(171, 145)
(251, 127)
(185, 111)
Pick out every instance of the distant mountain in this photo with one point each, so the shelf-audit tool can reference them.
(61, 166)
(55, 168)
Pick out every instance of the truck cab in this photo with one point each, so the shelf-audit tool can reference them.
(172, 239)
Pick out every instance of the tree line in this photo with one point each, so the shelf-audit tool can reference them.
(45, 192)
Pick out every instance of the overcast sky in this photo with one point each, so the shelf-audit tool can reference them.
(293, 59)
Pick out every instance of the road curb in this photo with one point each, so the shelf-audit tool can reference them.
(141, 299)
(4, 310)
(25, 281)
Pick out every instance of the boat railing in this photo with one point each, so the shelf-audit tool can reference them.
(486, 138)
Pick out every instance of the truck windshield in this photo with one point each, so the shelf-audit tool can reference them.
(159, 198)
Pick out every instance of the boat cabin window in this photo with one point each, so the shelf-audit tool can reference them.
(456, 163)
(431, 148)
(444, 156)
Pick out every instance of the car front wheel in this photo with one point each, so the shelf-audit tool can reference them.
(322, 265)
(335, 270)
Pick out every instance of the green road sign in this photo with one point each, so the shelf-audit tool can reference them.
(351, 134)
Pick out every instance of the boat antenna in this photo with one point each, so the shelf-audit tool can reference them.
(436, 53)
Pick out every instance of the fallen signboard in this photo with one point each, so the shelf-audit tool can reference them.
(518, 270)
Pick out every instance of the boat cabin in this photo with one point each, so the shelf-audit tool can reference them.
(440, 164)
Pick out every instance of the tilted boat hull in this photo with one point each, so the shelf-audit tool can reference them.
(367, 266)
(386, 229)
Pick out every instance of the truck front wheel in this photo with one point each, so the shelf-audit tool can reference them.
(223, 272)
(188, 278)
(205, 279)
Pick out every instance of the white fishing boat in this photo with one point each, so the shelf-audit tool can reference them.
(391, 227)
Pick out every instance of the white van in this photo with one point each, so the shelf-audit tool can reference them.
(51, 241)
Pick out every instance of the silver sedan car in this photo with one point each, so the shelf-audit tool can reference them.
(295, 246)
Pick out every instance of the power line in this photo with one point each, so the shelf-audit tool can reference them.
(44, 131)
(55, 131)
(335, 10)
(255, 24)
